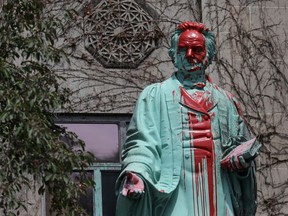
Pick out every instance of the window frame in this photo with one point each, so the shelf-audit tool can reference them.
(122, 120)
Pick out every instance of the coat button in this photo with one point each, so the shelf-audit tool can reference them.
(206, 117)
(208, 135)
(186, 156)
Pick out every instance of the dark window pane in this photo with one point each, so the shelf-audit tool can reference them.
(127, 125)
(100, 139)
(108, 191)
(86, 201)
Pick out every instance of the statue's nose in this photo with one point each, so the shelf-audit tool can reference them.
(189, 53)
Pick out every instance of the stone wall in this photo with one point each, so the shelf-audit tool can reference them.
(119, 48)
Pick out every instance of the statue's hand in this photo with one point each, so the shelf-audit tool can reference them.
(133, 186)
(234, 161)
(238, 164)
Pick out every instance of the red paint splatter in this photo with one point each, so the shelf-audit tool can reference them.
(202, 143)
(199, 101)
(209, 79)
(173, 93)
(212, 115)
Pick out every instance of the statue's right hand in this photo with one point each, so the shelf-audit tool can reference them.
(133, 186)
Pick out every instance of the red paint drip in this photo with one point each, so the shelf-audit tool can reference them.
(173, 93)
(209, 79)
(183, 162)
(200, 85)
(202, 143)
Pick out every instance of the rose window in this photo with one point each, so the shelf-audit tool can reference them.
(120, 33)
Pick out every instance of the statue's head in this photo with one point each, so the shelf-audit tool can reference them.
(192, 47)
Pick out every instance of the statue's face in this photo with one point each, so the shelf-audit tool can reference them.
(191, 51)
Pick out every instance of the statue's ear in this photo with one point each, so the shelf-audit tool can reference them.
(174, 46)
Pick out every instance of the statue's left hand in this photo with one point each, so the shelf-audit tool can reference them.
(238, 163)
(133, 186)
(239, 157)
(235, 161)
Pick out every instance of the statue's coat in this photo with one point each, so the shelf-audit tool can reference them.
(153, 150)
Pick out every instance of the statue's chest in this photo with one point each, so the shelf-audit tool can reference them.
(198, 119)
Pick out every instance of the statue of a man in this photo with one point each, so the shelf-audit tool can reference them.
(180, 131)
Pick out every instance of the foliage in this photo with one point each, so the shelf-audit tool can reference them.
(29, 93)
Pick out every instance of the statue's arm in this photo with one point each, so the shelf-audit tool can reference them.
(239, 158)
(142, 149)
(242, 172)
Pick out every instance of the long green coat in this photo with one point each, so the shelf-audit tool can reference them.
(153, 150)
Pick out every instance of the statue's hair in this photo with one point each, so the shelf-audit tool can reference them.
(208, 35)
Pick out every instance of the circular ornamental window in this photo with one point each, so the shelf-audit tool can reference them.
(120, 33)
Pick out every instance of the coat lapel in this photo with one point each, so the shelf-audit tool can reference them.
(200, 101)
(190, 101)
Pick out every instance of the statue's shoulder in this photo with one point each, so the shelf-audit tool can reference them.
(170, 83)
(221, 92)
(151, 91)
(233, 99)
(160, 86)
(228, 96)
(236, 102)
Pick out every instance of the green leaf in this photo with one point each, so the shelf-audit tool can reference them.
(48, 177)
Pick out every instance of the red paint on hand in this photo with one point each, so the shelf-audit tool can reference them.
(231, 160)
(132, 185)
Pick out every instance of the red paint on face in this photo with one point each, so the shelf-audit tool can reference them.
(194, 44)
